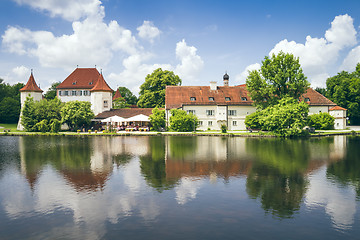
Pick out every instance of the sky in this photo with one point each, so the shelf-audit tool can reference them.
(199, 40)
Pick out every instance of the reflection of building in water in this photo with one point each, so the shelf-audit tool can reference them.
(338, 149)
(206, 156)
(86, 163)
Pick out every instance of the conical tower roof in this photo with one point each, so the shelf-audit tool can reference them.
(101, 85)
(117, 95)
(31, 86)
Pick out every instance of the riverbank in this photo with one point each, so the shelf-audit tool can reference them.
(212, 133)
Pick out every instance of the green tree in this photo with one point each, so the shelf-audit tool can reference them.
(77, 114)
(280, 76)
(9, 102)
(152, 91)
(344, 90)
(51, 93)
(321, 121)
(38, 116)
(180, 121)
(9, 110)
(119, 103)
(286, 119)
(157, 119)
(129, 97)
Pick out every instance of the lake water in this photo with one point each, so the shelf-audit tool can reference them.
(179, 188)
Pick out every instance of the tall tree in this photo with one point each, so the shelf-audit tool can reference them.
(152, 91)
(51, 93)
(280, 76)
(9, 102)
(77, 114)
(129, 97)
(344, 90)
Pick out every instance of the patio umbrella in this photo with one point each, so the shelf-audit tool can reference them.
(114, 118)
(138, 118)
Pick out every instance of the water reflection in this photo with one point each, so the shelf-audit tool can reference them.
(93, 181)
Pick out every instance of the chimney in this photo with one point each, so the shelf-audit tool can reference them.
(213, 85)
(226, 80)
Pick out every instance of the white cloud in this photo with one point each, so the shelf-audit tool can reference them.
(317, 55)
(91, 38)
(67, 9)
(21, 72)
(148, 31)
(191, 63)
(351, 60)
(242, 76)
(187, 190)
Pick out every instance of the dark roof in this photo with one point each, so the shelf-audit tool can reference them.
(337, 108)
(178, 96)
(80, 78)
(117, 95)
(101, 85)
(31, 85)
(316, 98)
(124, 112)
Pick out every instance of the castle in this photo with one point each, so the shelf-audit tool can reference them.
(83, 84)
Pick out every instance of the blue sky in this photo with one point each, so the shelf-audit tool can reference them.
(198, 40)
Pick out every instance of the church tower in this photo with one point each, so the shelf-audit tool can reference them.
(101, 96)
(31, 89)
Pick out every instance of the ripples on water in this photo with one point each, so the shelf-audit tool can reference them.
(179, 187)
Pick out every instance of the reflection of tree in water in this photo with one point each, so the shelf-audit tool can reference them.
(69, 156)
(182, 146)
(277, 176)
(347, 171)
(153, 166)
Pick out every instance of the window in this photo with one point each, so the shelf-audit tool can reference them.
(200, 123)
(66, 93)
(227, 99)
(59, 93)
(73, 93)
(209, 123)
(74, 83)
(211, 99)
(191, 111)
(86, 93)
(234, 123)
(307, 99)
(232, 113)
(192, 98)
(80, 93)
(210, 112)
(90, 83)
(243, 98)
(106, 104)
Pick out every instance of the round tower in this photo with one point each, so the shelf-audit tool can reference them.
(101, 96)
(226, 79)
(31, 89)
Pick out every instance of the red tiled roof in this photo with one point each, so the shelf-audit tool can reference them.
(316, 98)
(31, 86)
(124, 112)
(117, 95)
(101, 85)
(80, 78)
(178, 96)
(337, 108)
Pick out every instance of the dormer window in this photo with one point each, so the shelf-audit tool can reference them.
(74, 83)
(227, 99)
(211, 99)
(192, 98)
(90, 83)
(307, 99)
(243, 99)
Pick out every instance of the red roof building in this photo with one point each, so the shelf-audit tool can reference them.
(117, 95)
(31, 86)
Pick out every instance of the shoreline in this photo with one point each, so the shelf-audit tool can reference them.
(215, 134)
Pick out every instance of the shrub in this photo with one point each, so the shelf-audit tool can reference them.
(42, 126)
(55, 126)
(157, 119)
(180, 121)
(223, 128)
(321, 121)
